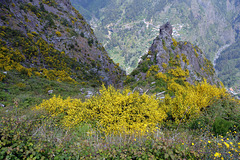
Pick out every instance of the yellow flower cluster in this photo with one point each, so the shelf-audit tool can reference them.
(30, 48)
(49, 2)
(184, 58)
(190, 99)
(164, 65)
(58, 34)
(113, 111)
(217, 154)
(2, 76)
(153, 69)
(160, 75)
(178, 72)
(175, 43)
(59, 75)
(10, 59)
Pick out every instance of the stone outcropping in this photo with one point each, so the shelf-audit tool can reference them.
(166, 30)
(168, 54)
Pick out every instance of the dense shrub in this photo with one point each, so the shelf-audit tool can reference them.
(190, 99)
(113, 111)
(221, 126)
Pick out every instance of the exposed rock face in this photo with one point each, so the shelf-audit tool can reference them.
(166, 29)
(168, 54)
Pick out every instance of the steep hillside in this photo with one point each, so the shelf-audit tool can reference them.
(127, 33)
(49, 38)
(168, 60)
(51, 105)
(228, 63)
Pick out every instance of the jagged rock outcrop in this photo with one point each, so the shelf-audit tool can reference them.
(59, 25)
(166, 30)
(167, 54)
(205, 23)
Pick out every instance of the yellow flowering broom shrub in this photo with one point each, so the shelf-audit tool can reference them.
(2, 76)
(190, 99)
(113, 111)
(153, 69)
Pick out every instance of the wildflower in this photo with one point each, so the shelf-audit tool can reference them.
(217, 154)
(220, 145)
(209, 141)
(226, 144)
(192, 144)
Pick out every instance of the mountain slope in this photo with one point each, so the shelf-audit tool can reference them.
(171, 63)
(49, 38)
(228, 63)
(127, 33)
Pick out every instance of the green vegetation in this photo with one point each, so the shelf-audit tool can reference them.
(52, 105)
(228, 65)
(48, 62)
(42, 134)
(128, 32)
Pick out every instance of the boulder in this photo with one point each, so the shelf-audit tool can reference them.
(50, 92)
(89, 94)
(2, 105)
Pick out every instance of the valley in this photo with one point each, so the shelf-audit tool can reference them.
(209, 24)
(64, 96)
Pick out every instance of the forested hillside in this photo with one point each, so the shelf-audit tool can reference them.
(228, 63)
(128, 32)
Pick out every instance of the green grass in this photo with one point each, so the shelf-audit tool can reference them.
(29, 133)
(38, 135)
(29, 91)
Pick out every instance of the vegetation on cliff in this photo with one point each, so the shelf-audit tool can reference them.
(51, 105)
(51, 39)
(127, 33)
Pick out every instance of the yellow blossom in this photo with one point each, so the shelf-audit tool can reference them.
(116, 112)
(217, 154)
(226, 144)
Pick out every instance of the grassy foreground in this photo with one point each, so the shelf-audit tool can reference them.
(115, 124)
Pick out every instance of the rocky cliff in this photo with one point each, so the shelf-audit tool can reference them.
(43, 36)
(177, 59)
